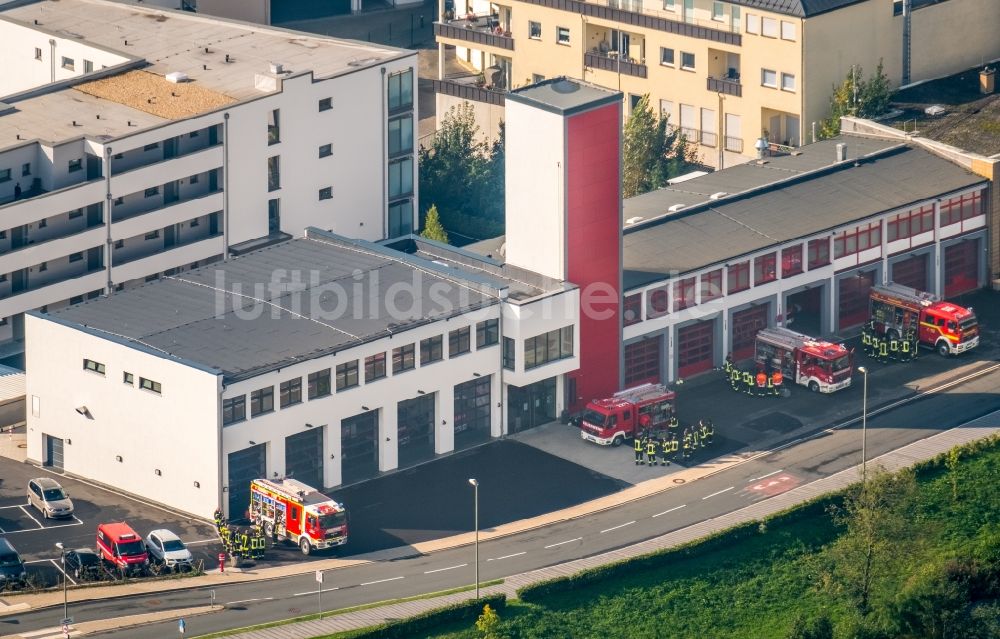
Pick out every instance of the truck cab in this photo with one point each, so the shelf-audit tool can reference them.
(607, 421)
(949, 328)
(119, 545)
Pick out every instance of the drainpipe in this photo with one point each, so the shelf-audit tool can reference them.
(52, 59)
(385, 159)
(109, 243)
(503, 399)
(225, 187)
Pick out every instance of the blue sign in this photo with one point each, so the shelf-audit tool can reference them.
(180, 625)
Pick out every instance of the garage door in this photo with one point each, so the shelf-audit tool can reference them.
(54, 452)
(359, 447)
(961, 267)
(472, 412)
(745, 325)
(642, 362)
(244, 466)
(288, 10)
(911, 272)
(304, 457)
(853, 300)
(415, 421)
(695, 348)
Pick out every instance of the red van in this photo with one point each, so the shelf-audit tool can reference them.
(118, 544)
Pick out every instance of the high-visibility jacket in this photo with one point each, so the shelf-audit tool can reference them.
(651, 446)
(673, 422)
(638, 444)
(777, 378)
(747, 378)
(761, 379)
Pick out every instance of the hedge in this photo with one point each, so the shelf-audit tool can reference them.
(431, 620)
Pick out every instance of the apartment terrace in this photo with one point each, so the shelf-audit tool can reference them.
(479, 29)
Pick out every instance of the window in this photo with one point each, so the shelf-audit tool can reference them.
(68, 63)
(26, 168)
(401, 90)
(76, 299)
(319, 384)
(670, 5)
(860, 239)
(151, 147)
(791, 261)
(94, 367)
(718, 11)
(764, 269)
(961, 208)
(769, 27)
(787, 82)
(38, 53)
(400, 218)
(274, 126)
(262, 401)
(739, 278)
(769, 78)
(154, 387)
(290, 392)
(401, 135)
(193, 134)
(152, 235)
(119, 244)
(4, 175)
(548, 347)
(509, 359)
(459, 341)
(753, 23)
(536, 78)
(193, 179)
(667, 56)
(150, 192)
(234, 410)
(787, 30)
(403, 359)
(274, 173)
(487, 333)
(127, 378)
(88, 66)
(535, 30)
(75, 257)
(75, 214)
(687, 61)
(347, 375)
(684, 293)
(326, 193)
(819, 253)
(711, 285)
(119, 200)
(374, 367)
(562, 35)
(325, 104)
(632, 309)
(326, 150)
(75, 165)
(907, 225)
(400, 177)
(431, 350)
(667, 112)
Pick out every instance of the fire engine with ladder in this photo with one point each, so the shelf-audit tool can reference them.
(613, 420)
(898, 311)
(287, 509)
(820, 366)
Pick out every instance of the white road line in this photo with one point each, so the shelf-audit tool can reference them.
(14, 506)
(568, 541)
(617, 527)
(25, 511)
(670, 511)
(59, 568)
(427, 572)
(764, 476)
(517, 554)
(17, 532)
(725, 490)
(371, 583)
(201, 541)
(242, 601)
(300, 594)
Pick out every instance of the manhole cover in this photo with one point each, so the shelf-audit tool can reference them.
(678, 480)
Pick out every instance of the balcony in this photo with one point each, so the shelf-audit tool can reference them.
(168, 170)
(180, 211)
(470, 92)
(52, 249)
(725, 86)
(611, 61)
(42, 203)
(480, 30)
(36, 296)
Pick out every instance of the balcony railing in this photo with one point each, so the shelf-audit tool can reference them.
(708, 138)
(469, 92)
(734, 144)
(475, 32)
(726, 86)
(691, 135)
(611, 62)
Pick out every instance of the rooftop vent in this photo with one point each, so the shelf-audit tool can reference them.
(276, 68)
(716, 196)
(676, 207)
(635, 220)
(360, 62)
(177, 77)
(935, 109)
(841, 152)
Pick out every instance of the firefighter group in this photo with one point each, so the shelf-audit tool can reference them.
(766, 382)
(658, 448)
(883, 348)
(240, 542)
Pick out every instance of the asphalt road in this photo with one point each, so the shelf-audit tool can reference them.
(710, 497)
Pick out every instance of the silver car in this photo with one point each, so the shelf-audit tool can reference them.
(167, 548)
(49, 498)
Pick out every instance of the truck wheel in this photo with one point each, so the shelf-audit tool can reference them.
(814, 386)
(617, 441)
(942, 349)
(304, 545)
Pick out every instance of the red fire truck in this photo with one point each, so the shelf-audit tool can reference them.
(821, 366)
(896, 310)
(612, 420)
(121, 546)
(289, 510)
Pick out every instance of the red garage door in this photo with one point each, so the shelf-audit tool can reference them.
(961, 267)
(745, 325)
(695, 348)
(911, 272)
(853, 303)
(642, 362)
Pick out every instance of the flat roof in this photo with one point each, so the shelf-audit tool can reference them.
(564, 96)
(808, 203)
(171, 41)
(331, 293)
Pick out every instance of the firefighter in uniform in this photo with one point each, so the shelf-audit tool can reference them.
(687, 444)
(734, 377)
(728, 364)
(883, 350)
(894, 346)
(651, 450)
(673, 423)
(761, 381)
(665, 448)
(675, 445)
(748, 382)
(866, 337)
(777, 379)
(874, 346)
(710, 430)
(639, 447)
(703, 432)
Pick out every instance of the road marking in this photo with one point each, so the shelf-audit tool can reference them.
(670, 511)
(427, 572)
(16, 532)
(301, 594)
(617, 527)
(763, 476)
(568, 541)
(725, 490)
(25, 511)
(517, 554)
(371, 583)
(242, 601)
(201, 541)
(65, 574)
(48, 633)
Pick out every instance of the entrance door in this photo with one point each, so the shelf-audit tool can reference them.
(244, 466)
(415, 429)
(53, 452)
(169, 236)
(359, 447)
(961, 267)
(803, 311)
(304, 457)
(854, 289)
(531, 405)
(911, 272)
(746, 324)
(473, 412)
(695, 348)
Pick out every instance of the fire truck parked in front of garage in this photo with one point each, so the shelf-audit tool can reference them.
(898, 311)
(287, 509)
(822, 367)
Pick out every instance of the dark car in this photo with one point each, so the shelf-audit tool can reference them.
(12, 572)
(83, 563)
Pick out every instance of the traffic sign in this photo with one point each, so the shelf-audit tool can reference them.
(319, 576)
(67, 621)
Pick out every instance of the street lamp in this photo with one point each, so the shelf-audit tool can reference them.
(62, 558)
(864, 427)
(475, 488)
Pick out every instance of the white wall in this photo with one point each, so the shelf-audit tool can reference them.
(176, 432)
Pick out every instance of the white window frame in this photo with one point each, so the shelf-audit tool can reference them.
(763, 78)
(769, 27)
(785, 76)
(670, 5)
(718, 11)
(532, 33)
(753, 23)
(684, 65)
(673, 57)
(788, 31)
(560, 32)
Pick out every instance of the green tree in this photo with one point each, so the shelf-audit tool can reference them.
(432, 226)
(817, 628)
(857, 97)
(652, 151)
(488, 624)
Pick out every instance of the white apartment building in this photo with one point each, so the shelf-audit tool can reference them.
(328, 359)
(137, 142)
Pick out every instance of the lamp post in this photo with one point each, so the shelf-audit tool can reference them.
(62, 559)
(475, 490)
(864, 427)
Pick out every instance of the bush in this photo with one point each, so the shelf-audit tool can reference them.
(430, 621)
(819, 628)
